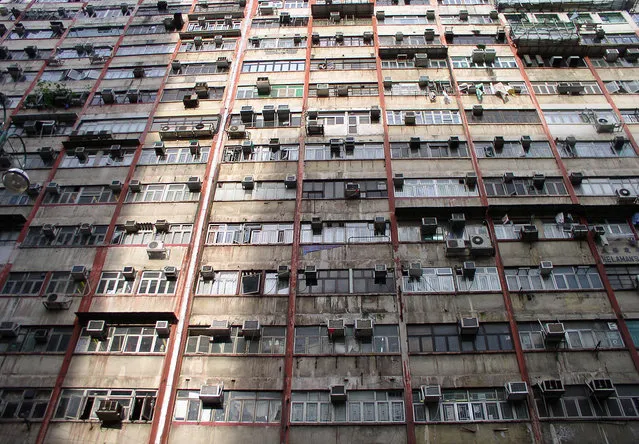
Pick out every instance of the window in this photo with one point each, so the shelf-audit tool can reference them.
(504, 116)
(148, 49)
(472, 405)
(224, 283)
(368, 150)
(446, 338)
(114, 282)
(172, 192)
(342, 64)
(258, 121)
(435, 188)
(314, 340)
(361, 406)
(189, 69)
(604, 186)
(122, 339)
(116, 126)
(62, 283)
(245, 407)
(579, 335)
(177, 95)
(56, 341)
(24, 283)
(155, 282)
(432, 280)
(344, 232)
(352, 90)
(97, 31)
(274, 66)
(336, 189)
(410, 231)
(433, 117)
(512, 149)
(127, 73)
(255, 234)
(551, 87)
(486, 279)
(578, 403)
(275, 22)
(177, 234)
(402, 19)
(467, 62)
(24, 404)
(561, 278)
(623, 277)
(595, 149)
(69, 236)
(510, 230)
(174, 156)
(410, 64)
(553, 186)
(233, 191)
(261, 153)
(272, 340)
(577, 117)
(10, 198)
(96, 159)
(277, 91)
(352, 281)
(80, 404)
(165, 123)
(81, 195)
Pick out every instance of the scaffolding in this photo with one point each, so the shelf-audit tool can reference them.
(563, 5)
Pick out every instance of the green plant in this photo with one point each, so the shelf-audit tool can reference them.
(50, 90)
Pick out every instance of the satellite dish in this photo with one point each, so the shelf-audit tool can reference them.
(16, 180)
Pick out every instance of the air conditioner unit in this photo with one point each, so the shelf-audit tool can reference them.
(283, 272)
(79, 273)
(379, 225)
(310, 273)
(618, 142)
(516, 391)
(455, 247)
(538, 181)
(314, 128)
(128, 272)
(529, 233)
(85, 229)
(316, 225)
(212, 394)
(409, 118)
(430, 393)
(335, 328)
(415, 270)
(131, 226)
(202, 90)
(194, 184)
(162, 226)
(108, 96)
(156, 250)
(336, 145)
(337, 393)
(170, 272)
(162, 328)
(349, 144)
(207, 272)
(160, 149)
(469, 326)
(599, 230)
(135, 186)
(236, 132)
(364, 328)
(580, 231)
(576, 177)
(48, 230)
(96, 329)
(509, 176)
(458, 220)
(380, 272)
(322, 90)
(54, 301)
(478, 110)
(480, 245)
(251, 329)
(471, 179)
(133, 94)
(352, 190)
(388, 82)
(248, 183)
(9, 329)
(601, 388)
(398, 181)
(263, 86)
(469, 269)
(625, 196)
(603, 124)
(551, 388)
(268, 113)
(220, 328)
(109, 411)
(191, 101)
(342, 90)
(247, 147)
(428, 226)
(290, 182)
(115, 186)
(545, 268)
(41, 335)
(554, 332)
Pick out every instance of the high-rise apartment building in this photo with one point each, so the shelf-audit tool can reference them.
(332, 222)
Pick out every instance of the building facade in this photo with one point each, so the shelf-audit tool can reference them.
(320, 221)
